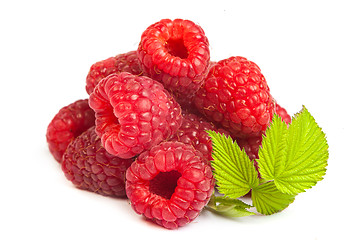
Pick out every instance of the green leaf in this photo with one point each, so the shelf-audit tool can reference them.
(231, 201)
(229, 207)
(306, 155)
(295, 157)
(271, 153)
(233, 170)
(268, 199)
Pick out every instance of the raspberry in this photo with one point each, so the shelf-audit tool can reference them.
(193, 131)
(67, 124)
(177, 54)
(236, 95)
(283, 113)
(133, 113)
(251, 144)
(169, 184)
(126, 62)
(90, 167)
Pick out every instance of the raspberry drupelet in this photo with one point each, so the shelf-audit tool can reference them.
(169, 184)
(176, 53)
(67, 124)
(236, 96)
(126, 62)
(193, 131)
(133, 113)
(90, 167)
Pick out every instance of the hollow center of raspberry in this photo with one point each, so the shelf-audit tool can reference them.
(164, 183)
(177, 48)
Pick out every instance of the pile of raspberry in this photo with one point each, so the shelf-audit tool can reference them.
(141, 134)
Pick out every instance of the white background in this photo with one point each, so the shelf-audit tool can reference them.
(308, 52)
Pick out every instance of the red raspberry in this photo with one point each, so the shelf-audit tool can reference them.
(133, 113)
(169, 184)
(126, 62)
(236, 95)
(283, 114)
(67, 124)
(90, 167)
(251, 144)
(193, 132)
(177, 54)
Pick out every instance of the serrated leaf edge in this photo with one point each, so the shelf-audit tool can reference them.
(292, 179)
(231, 167)
(271, 151)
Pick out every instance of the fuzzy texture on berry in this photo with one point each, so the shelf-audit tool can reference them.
(176, 53)
(89, 166)
(126, 62)
(235, 94)
(133, 114)
(67, 124)
(193, 131)
(169, 184)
